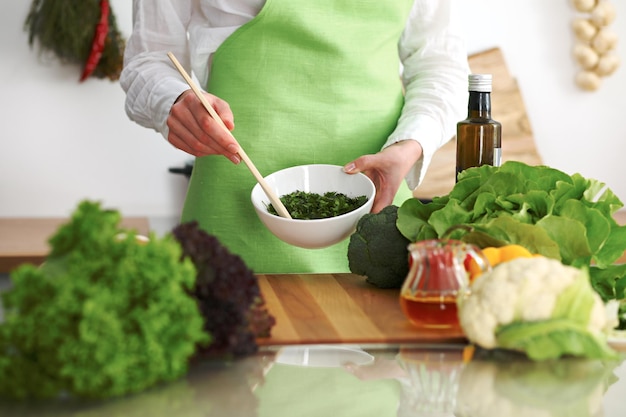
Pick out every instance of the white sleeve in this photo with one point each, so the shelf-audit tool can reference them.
(192, 30)
(149, 79)
(434, 73)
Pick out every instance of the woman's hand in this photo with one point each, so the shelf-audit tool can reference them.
(193, 130)
(387, 169)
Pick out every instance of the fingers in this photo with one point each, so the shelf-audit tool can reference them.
(361, 164)
(384, 174)
(193, 130)
(223, 110)
(367, 165)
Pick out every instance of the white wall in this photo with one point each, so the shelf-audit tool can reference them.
(576, 131)
(63, 141)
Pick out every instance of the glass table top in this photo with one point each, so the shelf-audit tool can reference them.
(347, 380)
(437, 380)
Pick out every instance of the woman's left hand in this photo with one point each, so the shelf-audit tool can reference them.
(387, 169)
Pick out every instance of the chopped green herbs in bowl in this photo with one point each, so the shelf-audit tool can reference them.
(308, 206)
(324, 202)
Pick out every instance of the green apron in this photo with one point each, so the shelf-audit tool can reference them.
(308, 82)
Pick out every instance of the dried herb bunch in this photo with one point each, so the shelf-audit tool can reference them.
(72, 30)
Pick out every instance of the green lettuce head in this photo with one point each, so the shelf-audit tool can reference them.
(107, 314)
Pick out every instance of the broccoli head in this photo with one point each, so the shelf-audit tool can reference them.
(378, 250)
(105, 315)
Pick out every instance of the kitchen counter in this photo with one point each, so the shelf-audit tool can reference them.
(342, 380)
(373, 372)
(343, 348)
(25, 239)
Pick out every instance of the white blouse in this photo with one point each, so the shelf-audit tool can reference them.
(432, 57)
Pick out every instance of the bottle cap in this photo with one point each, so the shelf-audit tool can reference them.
(480, 82)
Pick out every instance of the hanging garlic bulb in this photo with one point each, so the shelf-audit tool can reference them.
(595, 43)
(584, 29)
(588, 80)
(584, 5)
(603, 14)
(607, 64)
(604, 41)
(586, 56)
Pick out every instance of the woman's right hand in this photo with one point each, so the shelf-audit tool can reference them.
(193, 130)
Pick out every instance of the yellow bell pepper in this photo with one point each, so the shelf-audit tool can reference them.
(496, 255)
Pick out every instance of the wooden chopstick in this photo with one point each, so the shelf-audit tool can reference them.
(275, 200)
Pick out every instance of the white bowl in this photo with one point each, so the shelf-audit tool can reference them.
(316, 233)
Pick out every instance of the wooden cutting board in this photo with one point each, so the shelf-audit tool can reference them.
(337, 308)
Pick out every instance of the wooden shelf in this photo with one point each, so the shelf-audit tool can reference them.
(25, 239)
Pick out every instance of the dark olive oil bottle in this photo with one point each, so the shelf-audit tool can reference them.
(479, 137)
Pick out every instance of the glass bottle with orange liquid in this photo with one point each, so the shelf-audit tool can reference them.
(436, 277)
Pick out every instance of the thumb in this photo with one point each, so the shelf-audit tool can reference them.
(350, 168)
(356, 166)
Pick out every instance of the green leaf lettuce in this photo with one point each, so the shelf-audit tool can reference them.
(104, 316)
(561, 216)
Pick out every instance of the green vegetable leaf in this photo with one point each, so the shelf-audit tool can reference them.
(597, 225)
(511, 231)
(104, 316)
(576, 301)
(613, 246)
(551, 339)
(609, 282)
(532, 206)
(568, 232)
(451, 214)
(597, 192)
(413, 218)
(573, 213)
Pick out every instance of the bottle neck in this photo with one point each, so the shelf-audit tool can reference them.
(479, 105)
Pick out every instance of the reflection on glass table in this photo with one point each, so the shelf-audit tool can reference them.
(517, 387)
(431, 380)
(342, 380)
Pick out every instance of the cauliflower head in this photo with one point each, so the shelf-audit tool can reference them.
(537, 305)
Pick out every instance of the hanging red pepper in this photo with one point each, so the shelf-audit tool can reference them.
(99, 40)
